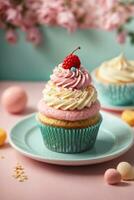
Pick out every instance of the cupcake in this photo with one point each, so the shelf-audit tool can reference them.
(68, 116)
(114, 80)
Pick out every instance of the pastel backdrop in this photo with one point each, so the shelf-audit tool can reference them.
(25, 62)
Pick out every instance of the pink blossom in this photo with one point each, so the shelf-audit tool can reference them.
(11, 14)
(4, 4)
(67, 20)
(28, 21)
(107, 4)
(11, 36)
(46, 16)
(48, 11)
(14, 15)
(121, 37)
(33, 35)
(113, 21)
(99, 14)
(33, 4)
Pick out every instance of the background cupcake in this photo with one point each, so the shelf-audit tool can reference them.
(114, 80)
(69, 116)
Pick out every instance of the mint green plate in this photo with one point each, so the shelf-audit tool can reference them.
(114, 138)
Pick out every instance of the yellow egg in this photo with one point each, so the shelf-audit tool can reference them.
(126, 171)
(3, 136)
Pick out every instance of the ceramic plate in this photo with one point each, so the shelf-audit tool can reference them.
(107, 106)
(114, 138)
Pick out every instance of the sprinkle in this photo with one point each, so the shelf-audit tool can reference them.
(73, 69)
(19, 173)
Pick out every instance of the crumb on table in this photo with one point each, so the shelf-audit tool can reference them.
(19, 173)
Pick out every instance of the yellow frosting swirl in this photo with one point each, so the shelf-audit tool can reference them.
(118, 69)
(68, 99)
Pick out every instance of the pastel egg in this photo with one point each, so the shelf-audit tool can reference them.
(3, 136)
(126, 170)
(112, 176)
(14, 99)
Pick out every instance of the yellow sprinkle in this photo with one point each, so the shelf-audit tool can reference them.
(19, 173)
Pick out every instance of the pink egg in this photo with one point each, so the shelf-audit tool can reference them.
(112, 176)
(14, 99)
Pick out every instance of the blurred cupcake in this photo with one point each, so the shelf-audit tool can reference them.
(68, 115)
(114, 80)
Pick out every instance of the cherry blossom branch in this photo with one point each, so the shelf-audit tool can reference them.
(28, 15)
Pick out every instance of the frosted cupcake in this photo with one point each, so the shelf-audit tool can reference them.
(68, 115)
(114, 80)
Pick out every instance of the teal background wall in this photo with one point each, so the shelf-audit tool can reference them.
(25, 62)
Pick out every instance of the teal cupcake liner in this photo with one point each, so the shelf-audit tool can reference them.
(69, 140)
(115, 94)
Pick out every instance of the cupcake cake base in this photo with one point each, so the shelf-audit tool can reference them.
(70, 140)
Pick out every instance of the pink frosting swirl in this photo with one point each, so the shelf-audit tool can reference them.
(78, 79)
(73, 115)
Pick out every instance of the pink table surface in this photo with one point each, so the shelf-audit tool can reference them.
(51, 182)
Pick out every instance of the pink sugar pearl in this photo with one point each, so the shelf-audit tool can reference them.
(14, 99)
(112, 176)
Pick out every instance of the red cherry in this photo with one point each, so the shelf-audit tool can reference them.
(71, 61)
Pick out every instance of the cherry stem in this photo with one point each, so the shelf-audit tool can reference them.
(75, 50)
